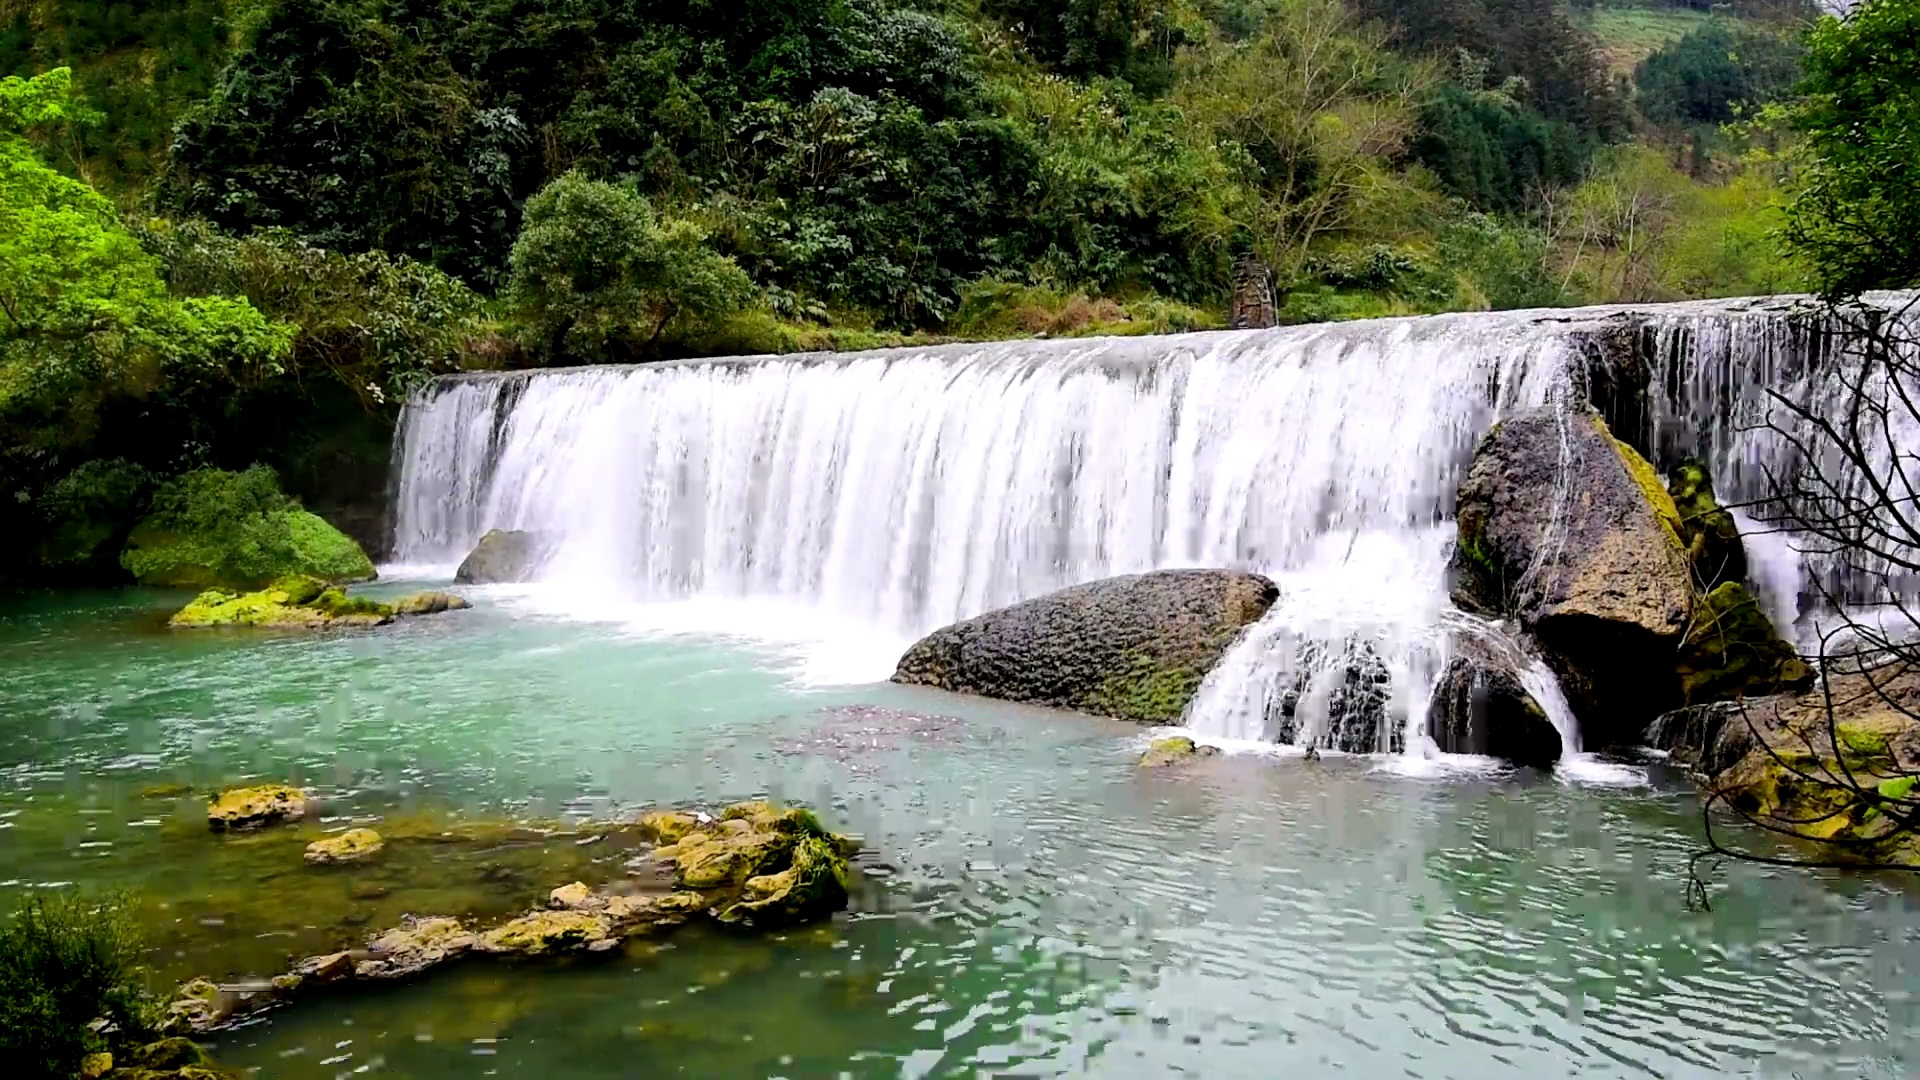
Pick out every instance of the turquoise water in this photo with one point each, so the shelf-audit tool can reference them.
(1034, 904)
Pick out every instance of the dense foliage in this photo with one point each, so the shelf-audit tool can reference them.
(64, 963)
(1856, 215)
(245, 230)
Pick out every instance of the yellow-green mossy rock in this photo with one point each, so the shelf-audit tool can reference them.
(254, 807)
(545, 932)
(291, 603)
(354, 845)
(168, 1059)
(667, 826)
(783, 866)
(413, 947)
(94, 1066)
(575, 895)
(429, 603)
(1173, 751)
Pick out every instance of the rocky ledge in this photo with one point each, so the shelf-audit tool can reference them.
(753, 866)
(304, 603)
(1133, 648)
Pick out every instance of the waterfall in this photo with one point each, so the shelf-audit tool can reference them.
(909, 488)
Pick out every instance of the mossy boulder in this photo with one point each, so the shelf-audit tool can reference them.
(212, 528)
(1711, 536)
(1570, 532)
(1733, 650)
(167, 1059)
(240, 809)
(1176, 750)
(1830, 766)
(1134, 647)
(299, 602)
(502, 556)
(352, 846)
(541, 933)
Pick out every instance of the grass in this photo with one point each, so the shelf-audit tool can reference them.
(1629, 35)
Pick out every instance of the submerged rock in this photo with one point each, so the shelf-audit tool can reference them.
(253, 807)
(1570, 531)
(354, 845)
(1134, 647)
(1174, 751)
(501, 557)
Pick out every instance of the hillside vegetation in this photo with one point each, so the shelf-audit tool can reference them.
(243, 230)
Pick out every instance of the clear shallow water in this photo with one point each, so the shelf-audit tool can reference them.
(1053, 909)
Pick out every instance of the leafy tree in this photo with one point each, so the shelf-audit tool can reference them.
(84, 313)
(600, 275)
(1309, 112)
(1494, 152)
(235, 529)
(1855, 212)
(1715, 73)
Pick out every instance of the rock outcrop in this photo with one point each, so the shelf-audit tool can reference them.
(303, 603)
(1570, 531)
(753, 866)
(502, 556)
(1480, 705)
(1732, 650)
(1834, 768)
(1174, 751)
(1711, 536)
(241, 809)
(1134, 648)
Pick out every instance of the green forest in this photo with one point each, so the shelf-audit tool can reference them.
(238, 233)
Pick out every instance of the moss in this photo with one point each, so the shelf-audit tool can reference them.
(292, 602)
(1173, 751)
(1145, 690)
(236, 530)
(813, 885)
(354, 845)
(1732, 650)
(1647, 478)
(253, 807)
(544, 932)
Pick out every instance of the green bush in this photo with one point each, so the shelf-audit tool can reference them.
(65, 962)
(90, 510)
(211, 527)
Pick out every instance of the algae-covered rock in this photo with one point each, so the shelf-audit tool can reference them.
(501, 557)
(542, 933)
(94, 1066)
(429, 603)
(354, 845)
(576, 895)
(1825, 765)
(1733, 650)
(292, 603)
(413, 947)
(253, 807)
(172, 1058)
(1571, 532)
(1133, 647)
(666, 826)
(1711, 536)
(211, 528)
(1174, 751)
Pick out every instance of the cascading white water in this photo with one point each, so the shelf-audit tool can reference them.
(906, 489)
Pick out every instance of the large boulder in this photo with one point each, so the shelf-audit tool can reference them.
(1570, 531)
(1133, 647)
(1481, 705)
(212, 528)
(502, 556)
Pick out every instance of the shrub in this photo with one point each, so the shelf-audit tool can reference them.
(65, 962)
(236, 529)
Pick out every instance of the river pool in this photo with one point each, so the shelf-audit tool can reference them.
(1033, 905)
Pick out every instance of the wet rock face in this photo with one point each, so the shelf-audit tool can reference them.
(1344, 692)
(1134, 647)
(1479, 706)
(1571, 532)
(501, 557)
